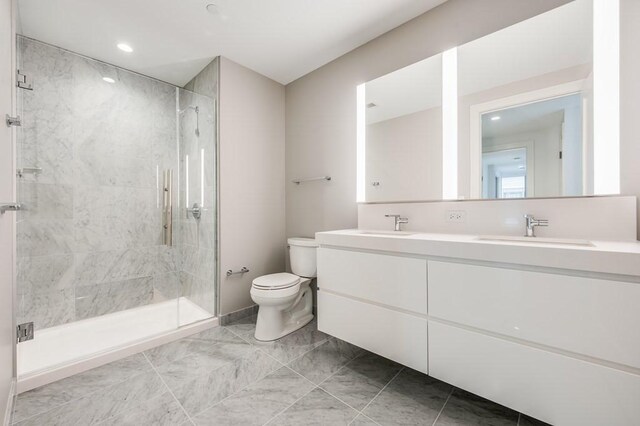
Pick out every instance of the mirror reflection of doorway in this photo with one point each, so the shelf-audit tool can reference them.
(505, 172)
(552, 129)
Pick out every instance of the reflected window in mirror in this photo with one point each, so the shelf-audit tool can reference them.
(537, 147)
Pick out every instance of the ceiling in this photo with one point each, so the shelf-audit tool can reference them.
(558, 39)
(411, 89)
(528, 118)
(174, 39)
(507, 162)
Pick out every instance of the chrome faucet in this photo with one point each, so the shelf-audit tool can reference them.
(531, 222)
(398, 220)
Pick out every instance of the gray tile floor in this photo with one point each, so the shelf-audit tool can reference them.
(224, 376)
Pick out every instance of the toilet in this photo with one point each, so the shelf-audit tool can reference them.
(284, 300)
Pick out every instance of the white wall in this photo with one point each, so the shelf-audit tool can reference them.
(405, 150)
(321, 106)
(252, 193)
(597, 218)
(321, 111)
(7, 194)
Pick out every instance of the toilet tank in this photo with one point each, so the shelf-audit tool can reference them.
(302, 256)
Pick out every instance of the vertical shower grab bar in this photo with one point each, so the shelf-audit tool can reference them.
(167, 203)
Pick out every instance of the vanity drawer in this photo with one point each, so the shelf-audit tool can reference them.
(398, 336)
(594, 317)
(396, 281)
(554, 388)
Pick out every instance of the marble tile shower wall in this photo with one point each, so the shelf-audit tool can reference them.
(196, 241)
(90, 241)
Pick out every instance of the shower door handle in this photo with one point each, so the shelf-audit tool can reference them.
(167, 204)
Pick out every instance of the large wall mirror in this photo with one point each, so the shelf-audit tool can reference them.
(528, 111)
(404, 133)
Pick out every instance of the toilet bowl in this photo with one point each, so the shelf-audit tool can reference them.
(285, 301)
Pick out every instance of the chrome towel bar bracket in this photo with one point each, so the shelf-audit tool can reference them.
(241, 271)
(12, 207)
(28, 171)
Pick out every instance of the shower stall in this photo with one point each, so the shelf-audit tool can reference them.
(117, 238)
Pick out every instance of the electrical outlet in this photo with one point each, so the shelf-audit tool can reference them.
(456, 216)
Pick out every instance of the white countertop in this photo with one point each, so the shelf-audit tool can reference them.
(609, 257)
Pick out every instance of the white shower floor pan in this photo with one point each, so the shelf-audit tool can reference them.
(68, 349)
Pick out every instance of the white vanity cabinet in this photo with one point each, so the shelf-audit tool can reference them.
(560, 345)
(375, 301)
(563, 348)
(598, 318)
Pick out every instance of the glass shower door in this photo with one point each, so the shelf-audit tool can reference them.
(94, 272)
(197, 213)
(117, 240)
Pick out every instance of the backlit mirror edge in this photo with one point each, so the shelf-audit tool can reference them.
(606, 75)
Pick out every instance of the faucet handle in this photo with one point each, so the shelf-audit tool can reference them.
(542, 222)
(392, 215)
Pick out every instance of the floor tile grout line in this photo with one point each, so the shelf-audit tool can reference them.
(443, 405)
(345, 403)
(131, 409)
(322, 342)
(324, 380)
(244, 387)
(339, 399)
(257, 348)
(310, 350)
(366, 417)
(345, 365)
(383, 388)
(214, 343)
(167, 386)
(208, 407)
(318, 386)
(289, 406)
(333, 375)
(75, 399)
(369, 418)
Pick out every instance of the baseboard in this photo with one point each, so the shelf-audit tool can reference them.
(11, 398)
(239, 314)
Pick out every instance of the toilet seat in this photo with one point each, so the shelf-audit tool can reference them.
(280, 281)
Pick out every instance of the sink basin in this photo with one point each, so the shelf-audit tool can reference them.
(536, 240)
(387, 233)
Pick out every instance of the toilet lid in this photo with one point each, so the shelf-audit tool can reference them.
(276, 281)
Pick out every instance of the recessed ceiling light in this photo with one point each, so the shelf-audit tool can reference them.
(108, 79)
(495, 118)
(125, 47)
